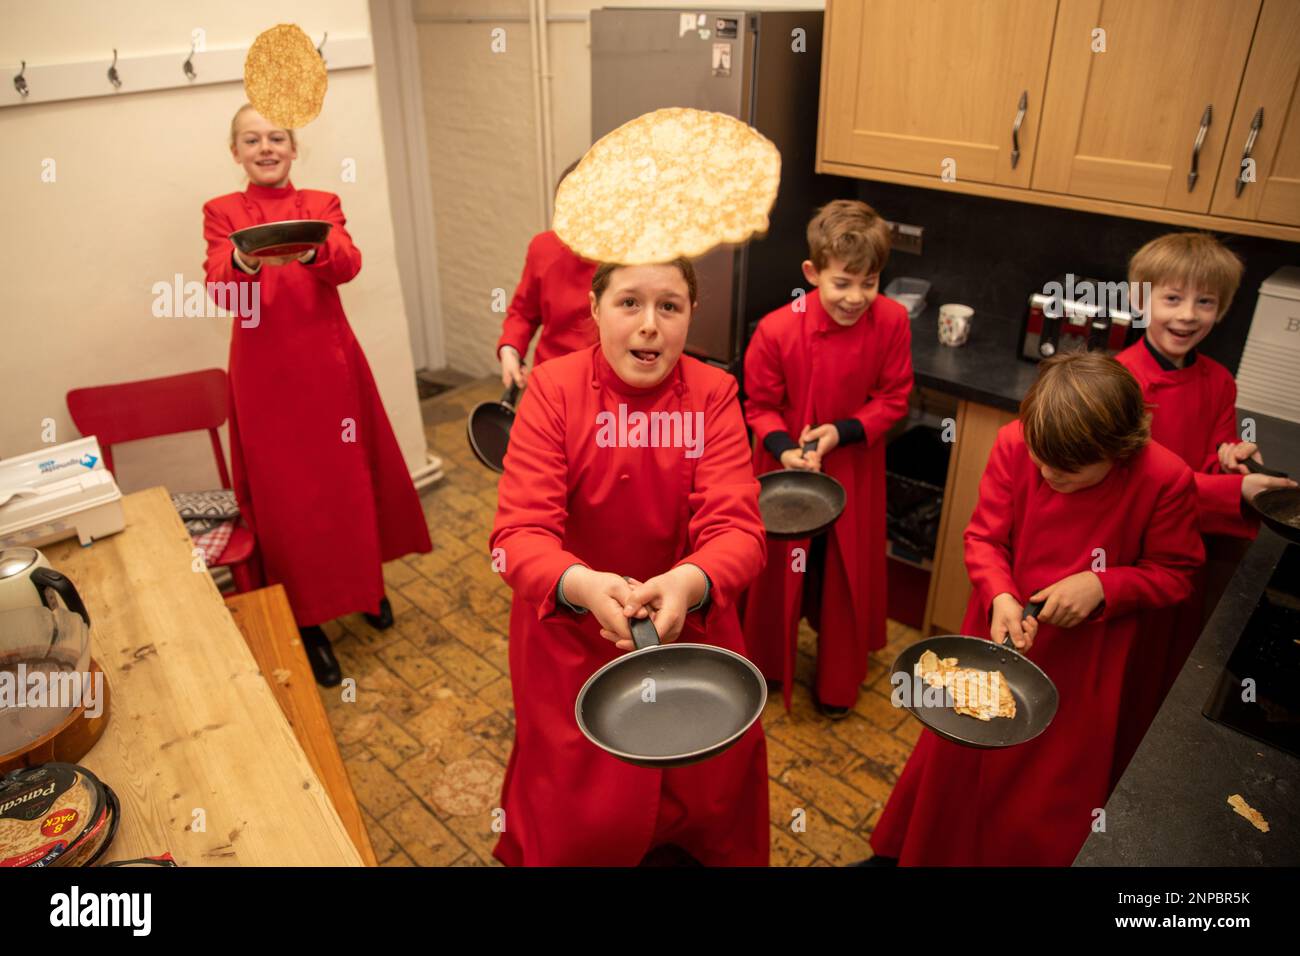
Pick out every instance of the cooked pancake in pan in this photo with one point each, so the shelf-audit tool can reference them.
(975, 693)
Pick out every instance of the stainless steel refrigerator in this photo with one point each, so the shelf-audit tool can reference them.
(761, 66)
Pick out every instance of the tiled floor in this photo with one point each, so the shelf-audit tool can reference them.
(427, 738)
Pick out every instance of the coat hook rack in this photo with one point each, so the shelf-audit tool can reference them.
(20, 82)
(112, 73)
(188, 65)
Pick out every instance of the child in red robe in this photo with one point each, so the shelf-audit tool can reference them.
(1192, 279)
(552, 294)
(317, 470)
(834, 367)
(1078, 509)
(597, 524)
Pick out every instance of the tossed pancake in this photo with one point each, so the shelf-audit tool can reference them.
(674, 182)
(284, 76)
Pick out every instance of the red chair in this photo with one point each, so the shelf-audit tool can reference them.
(154, 407)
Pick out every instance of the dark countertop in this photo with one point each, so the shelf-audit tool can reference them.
(986, 369)
(1170, 807)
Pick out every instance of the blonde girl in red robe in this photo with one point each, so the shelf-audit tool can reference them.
(551, 296)
(596, 525)
(316, 468)
(1078, 509)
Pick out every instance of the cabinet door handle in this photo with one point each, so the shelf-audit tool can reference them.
(1255, 124)
(1015, 129)
(1193, 173)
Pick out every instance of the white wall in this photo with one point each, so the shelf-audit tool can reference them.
(79, 256)
(481, 127)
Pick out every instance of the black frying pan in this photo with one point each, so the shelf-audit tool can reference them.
(1035, 694)
(799, 504)
(488, 429)
(1279, 508)
(668, 705)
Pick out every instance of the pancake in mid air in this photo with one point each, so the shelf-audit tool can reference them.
(284, 76)
(674, 182)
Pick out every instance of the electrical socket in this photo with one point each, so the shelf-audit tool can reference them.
(905, 237)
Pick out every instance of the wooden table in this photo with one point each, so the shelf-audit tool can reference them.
(193, 725)
(266, 621)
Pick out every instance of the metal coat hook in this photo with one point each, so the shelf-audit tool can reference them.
(322, 45)
(188, 65)
(112, 73)
(20, 82)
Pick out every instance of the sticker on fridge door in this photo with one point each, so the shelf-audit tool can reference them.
(722, 59)
(685, 24)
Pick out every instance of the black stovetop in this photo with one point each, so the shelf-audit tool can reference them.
(1258, 692)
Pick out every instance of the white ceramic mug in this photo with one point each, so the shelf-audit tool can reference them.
(954, 323)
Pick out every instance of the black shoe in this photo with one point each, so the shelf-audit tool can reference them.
(324, 665)
(826, 710)
(384, 619)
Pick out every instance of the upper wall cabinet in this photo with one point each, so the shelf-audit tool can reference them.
(937, 86)
(1264, 141)
(1140, 108)
(1140, 98)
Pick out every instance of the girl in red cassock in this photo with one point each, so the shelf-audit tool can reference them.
(316, 467)
(601, 519)
(1078, 509)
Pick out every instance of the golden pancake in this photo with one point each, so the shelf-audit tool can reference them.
(674, 182)
(975, 693)
(284, 76)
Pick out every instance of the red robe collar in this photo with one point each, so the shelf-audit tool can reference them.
(287, 191)
(822, 321)
(604, 376)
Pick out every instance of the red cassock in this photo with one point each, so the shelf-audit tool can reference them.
(803, 368)
(316, 467)
(1033, 804)
(637, 511)
(1193, 411)
(551, 293)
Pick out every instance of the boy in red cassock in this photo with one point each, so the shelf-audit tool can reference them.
(601, 519)
(552, 294)
(1080, 510)
(834, 367)
(1192, 279)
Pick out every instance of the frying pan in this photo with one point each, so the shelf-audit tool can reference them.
(1035, 694)
(1278, 507)
(668, 705)
(488, 429)
(291, 237)
(799, 504)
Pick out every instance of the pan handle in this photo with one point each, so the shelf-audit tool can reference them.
(1256, 468)
(644, 633)
(510, 396)
(1032, 609)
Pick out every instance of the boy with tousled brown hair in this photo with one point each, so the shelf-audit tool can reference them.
(1079, 510)
(832, 368)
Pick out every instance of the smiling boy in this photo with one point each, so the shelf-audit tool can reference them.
(1192, 279)
(834, 367)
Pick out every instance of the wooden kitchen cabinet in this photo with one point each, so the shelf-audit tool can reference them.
(909, 86)
(1123, 124)
(1271, 85)
(977, 429)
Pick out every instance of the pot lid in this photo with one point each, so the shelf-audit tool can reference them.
(14, 561)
